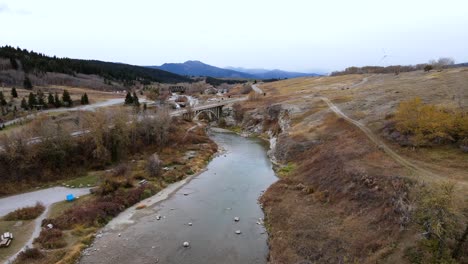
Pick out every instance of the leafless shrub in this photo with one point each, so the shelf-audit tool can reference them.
(246, 89)
(154, 165)
(120, 170)
(162, 121)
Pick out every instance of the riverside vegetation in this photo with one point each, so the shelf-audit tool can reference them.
(134, 148)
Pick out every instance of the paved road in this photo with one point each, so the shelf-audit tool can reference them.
(46, 196)
(90, 107)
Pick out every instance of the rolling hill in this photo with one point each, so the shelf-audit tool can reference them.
(33, 62)
(272, 74)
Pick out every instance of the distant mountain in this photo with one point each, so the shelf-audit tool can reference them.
(198, 68)
(272, 74)
(249, 71)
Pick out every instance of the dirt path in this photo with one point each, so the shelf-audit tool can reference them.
(382, 146)
(257, 89)
(361, 82)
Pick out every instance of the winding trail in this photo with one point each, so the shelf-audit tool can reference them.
(361, 82)
(382, 146)
(257, 89)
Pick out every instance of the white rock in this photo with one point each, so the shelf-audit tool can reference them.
(120, 234)
(186, 244)
(238, 232)
(190, 224)
(158, 217)
(50, 226)
(236, 219)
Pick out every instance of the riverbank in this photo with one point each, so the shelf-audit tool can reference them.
(180, 160)
(341, 198)
(200, 211)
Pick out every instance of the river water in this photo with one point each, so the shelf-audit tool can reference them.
(229, 188)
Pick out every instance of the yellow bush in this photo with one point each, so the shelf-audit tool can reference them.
(427, 123)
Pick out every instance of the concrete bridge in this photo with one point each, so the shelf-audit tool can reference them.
(213, 109)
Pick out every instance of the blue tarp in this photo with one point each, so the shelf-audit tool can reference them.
(70, 197)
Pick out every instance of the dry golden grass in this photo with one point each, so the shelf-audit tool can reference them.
(333, 207)
(372, 101)
(333, 223)
(21, 232)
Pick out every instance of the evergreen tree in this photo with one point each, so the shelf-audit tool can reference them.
(67, 99)
(24, 105)
(40, 98)
(14, 94)
(27, 83)
(57, 101)
(32, 100)
(14, 63)
(128, 99)
(136, 102)
(50, 99)
(84, 99)
(3, 102)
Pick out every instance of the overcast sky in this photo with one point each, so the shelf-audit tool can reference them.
(300, 35)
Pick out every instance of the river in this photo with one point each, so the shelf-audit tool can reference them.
(229, 188)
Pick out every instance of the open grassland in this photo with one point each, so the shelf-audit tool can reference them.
(349, 193)
(370, 100)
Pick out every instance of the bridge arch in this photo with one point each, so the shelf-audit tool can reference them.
(210, 111)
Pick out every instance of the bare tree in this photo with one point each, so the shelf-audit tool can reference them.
(153, 165)
(162, 121)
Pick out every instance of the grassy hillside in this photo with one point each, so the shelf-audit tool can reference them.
(342, 196)
(37, 63)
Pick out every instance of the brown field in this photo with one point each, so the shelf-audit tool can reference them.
(370, 103)
(340, 198)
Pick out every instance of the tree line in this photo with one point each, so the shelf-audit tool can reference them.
(35, 63)
(111, 136)
(433, 64)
